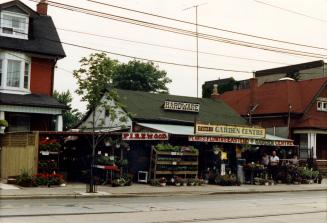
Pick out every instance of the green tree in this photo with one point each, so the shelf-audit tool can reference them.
(94, 79)
(70, 117)
(140, 76)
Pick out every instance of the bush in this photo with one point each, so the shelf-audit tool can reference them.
(3, 123)
(227, 180)
(25, 179)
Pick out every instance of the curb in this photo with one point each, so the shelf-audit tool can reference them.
(159, 194)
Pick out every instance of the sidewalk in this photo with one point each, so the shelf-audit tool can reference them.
(139, 190)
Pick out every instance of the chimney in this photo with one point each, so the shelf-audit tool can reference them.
(42, 7)
(215, 94)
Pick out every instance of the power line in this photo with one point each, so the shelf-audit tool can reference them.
(140, 58)
(209, 27)
(150, 60)
(157, 45)
(184, 32)
(292, 11)
(170, 47)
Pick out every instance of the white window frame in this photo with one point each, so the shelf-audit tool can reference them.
(20, 34)
(22, 58)
(321, 103)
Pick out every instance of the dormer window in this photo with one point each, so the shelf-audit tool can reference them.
(14, 25)
(322, 104)
(15, 69)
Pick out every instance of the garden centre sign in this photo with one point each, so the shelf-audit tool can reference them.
(230, 130)
(243, 141)
(145, 136)
(181, 106)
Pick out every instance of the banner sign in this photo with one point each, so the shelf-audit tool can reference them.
(230, 130)
(240, 141)
(181, 106)
(145, 136)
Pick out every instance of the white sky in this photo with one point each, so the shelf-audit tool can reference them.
(245, 16)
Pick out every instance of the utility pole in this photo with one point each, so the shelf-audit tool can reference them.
(197, 44)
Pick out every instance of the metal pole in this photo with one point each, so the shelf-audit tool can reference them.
(197, 51)
(92, 186)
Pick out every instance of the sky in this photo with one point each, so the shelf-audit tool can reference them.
(246, 16)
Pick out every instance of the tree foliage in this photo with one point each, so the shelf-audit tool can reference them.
(70, 117)
(140, 76)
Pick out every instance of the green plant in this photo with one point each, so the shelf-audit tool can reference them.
(227, 180)
(105, 160)
(25, 179)
(3, 123)
(122, 163)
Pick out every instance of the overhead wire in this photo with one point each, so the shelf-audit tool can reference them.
(184, 32)
(206, 26)
(292, 11)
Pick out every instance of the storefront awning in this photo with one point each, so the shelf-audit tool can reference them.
(171, 129)
(269, 140)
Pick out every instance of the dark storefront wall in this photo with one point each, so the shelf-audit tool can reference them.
(322, 146)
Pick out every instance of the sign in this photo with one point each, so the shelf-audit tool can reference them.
(181, 106)
(259, 142)
(145, 136)
(217, 139)
(231, 130)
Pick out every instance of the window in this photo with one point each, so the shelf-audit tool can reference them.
(322, 104)
(13, 73)
(14, 25)
(26, 75)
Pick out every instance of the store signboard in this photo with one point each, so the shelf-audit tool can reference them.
(243, 141)
(230, 131)
(145, 136)
(217, 139)
(181, 106)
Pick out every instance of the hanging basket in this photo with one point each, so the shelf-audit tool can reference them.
(2, 129)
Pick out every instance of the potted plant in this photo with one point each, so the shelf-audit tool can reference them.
(162, 181)
(3, 125)
(178, 181)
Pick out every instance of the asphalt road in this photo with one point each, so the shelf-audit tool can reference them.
(227, 208)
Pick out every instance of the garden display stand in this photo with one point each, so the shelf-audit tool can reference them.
(167, 163)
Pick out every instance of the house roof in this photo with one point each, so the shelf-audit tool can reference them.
(275, 97)
(33, 100)
(291, 68)
(43, 37)
(144, 106)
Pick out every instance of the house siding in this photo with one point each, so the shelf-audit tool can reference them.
(42, 76)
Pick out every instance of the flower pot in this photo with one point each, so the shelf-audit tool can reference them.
(2, 129)
(162, 184)
(177, 184)
(184, 184)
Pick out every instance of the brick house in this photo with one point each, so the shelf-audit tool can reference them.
(29, 49)
(287, 108)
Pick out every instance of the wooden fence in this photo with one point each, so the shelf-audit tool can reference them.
(19, 151)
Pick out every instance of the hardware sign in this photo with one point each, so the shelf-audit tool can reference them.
(181, 106)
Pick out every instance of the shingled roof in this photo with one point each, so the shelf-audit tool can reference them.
(146, 106)
(43, 37)
(290, 68)
(33, 100)
(275, 97)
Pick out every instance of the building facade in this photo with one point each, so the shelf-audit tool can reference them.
(29, 49)
(287, 108)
